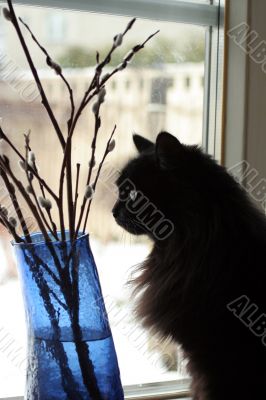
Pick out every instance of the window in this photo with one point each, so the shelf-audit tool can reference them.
(55, 27)
(188, 48)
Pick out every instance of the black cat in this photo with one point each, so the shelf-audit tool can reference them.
(204, 282)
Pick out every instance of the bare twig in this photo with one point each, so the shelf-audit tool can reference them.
(62, 304)
(34, 172)
(97, 125)
(94, 88)
(4, 163)
(35, 74)
(56, 68)
(67, 151)
(76, 191)
(120, 67)
(10, 228)
(13, 197)
(50, 214)
(97, 176)
(33, 190)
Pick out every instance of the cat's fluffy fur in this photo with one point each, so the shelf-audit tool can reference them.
(216, 253)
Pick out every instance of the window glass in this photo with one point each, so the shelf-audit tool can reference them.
(199, 1)
(161, 90)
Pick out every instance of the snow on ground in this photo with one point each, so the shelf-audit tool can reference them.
(114, 261)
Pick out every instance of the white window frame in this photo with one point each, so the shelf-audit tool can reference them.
(212, 17)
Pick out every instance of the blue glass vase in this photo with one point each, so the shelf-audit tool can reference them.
(71, 354)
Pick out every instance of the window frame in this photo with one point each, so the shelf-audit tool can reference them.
(211, 16)
(154, 391)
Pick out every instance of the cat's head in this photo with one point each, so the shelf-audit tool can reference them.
(161, 187)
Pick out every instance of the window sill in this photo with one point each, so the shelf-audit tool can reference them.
(159, 391)
(172, 390)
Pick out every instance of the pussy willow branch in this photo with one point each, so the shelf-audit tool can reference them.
(58, 350)
(120, 67)
(34, 193)
(58, 70)
(4, 163)
(53, 225)
(94, 83)
(49, 214)
(97, 177)
(83, 104)
(4, 221)
(42, 190)
(70, 193)
(76, 191)
(97, 125)
(61, 303)
(49, 271)
(13, 197)
(88, 95)
(97, 83)
(82, 348)
(33, 69)
(35, 173)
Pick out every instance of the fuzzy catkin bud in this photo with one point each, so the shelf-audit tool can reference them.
(56, 67)
(6, 14)
(22, 165)
(89, 192)
(122, 66)
(13, 222)
(101, 95)
(41, 201)
(130, 24)
(31, 176)
(31, 164)
(105, 77)
(118, 39)
(45, 203)
(128, 57)
(6, 159)
(29, 189)
(95, 107)
(48, 204)
(111, 146)
(4, 211)
(92, 163)
(32, 157)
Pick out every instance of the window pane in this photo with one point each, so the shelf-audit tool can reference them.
(199, 1)
(161, 90)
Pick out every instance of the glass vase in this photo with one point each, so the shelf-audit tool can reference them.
(71, 354)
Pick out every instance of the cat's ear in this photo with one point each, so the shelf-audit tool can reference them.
(168, 149)
(142, 143)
